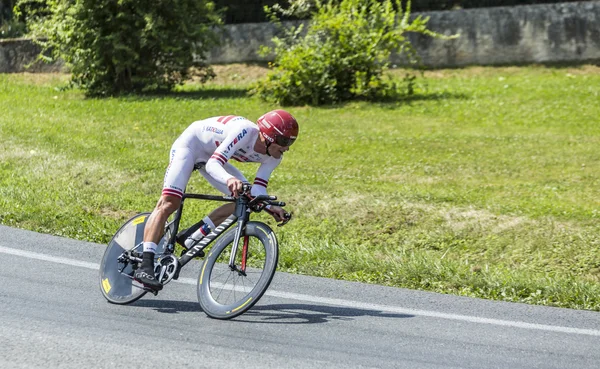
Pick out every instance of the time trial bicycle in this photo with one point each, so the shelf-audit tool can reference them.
(234, 275)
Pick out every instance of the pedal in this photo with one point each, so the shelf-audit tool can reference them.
(152, 291)
(144, 288)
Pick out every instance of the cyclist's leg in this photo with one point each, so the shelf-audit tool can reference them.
(154, 229)
(193, 234)
(177, 176)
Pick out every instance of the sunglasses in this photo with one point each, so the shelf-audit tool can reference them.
(284, 141)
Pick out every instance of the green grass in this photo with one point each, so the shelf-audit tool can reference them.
(484, 184)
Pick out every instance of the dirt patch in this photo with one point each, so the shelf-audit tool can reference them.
(242, 73)
(584, 70)
(459, 219)
(229, 74)
(409, 178)
(487, 71)
(41, 79)
(113, 213)
(41, 163)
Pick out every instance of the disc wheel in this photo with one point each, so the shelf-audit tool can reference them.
(116, 277)
(225, 292)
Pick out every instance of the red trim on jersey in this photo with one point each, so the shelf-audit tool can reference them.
(172, 192)
(226, 118)
(219, 157)
(261, 182)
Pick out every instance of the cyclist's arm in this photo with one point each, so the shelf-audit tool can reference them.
(262, 176)
(215, 165)
(260, 187)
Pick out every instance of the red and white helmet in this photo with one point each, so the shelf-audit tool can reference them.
(278, 126)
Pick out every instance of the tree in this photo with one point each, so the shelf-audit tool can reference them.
(5, 10)
(120, 46)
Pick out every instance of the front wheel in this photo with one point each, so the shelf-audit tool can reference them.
(225, 291)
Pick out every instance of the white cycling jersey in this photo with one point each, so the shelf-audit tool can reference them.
(213, 142)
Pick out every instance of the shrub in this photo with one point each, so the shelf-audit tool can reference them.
(9, 27)
(342, 54)
(12, 29)
(116, 46)
(250, 11)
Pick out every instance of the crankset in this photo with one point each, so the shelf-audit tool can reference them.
(166, 268)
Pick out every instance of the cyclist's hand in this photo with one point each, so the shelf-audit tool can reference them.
(277, 212)
(235, 186)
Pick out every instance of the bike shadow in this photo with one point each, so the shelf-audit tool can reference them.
(170, 306)
(277, 313)
(310, 314)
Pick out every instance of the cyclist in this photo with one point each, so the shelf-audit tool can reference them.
(208, 145)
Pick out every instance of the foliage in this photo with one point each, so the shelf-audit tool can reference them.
(117, 46)
(425, 5)
(5, 10)
(15, 24)
(250, 11)
(32, 10)
(342, 55)
(12, 29)
(485, 186)
(9, 27)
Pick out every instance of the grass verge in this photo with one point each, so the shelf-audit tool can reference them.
(483, 184)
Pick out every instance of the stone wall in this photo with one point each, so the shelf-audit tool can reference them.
(565, 32)
(19, 55)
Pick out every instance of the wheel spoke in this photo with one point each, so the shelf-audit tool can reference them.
(223, 287)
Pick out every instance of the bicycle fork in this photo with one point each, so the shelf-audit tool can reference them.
(241, 228)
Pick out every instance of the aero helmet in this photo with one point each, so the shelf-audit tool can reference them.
(278, 126)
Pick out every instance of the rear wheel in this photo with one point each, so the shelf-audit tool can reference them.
(225, 292)
(116, 273)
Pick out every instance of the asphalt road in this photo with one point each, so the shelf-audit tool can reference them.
(54, 316)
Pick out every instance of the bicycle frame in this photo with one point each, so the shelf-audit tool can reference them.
(241, 215)
(126, 247)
